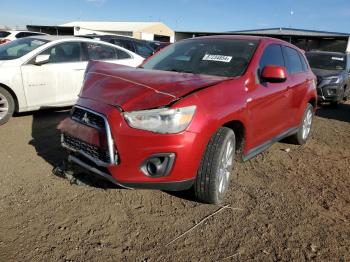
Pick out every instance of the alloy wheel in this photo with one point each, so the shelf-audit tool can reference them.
(4, 106)
(307, 124)
(225, 167)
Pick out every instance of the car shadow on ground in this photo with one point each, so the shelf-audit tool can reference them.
(47, 143)
(340, 113)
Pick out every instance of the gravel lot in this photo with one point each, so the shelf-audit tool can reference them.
(284, 206)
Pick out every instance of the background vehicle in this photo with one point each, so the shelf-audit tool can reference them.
(8, 36)
(48, 71)
(333, 75)
(178, 122)
(156, 45)
(140, 47)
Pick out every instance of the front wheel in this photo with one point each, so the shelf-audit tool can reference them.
(304, 130)
(7, 105)
(213, 175)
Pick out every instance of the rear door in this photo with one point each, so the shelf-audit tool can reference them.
(269, 102)
(298, 81)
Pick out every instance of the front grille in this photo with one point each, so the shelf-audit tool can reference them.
(88, 118)
(81, 146)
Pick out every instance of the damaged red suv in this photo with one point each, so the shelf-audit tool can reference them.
(181, 119)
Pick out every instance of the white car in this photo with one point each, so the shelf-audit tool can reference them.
(8, 36)
(48, 71)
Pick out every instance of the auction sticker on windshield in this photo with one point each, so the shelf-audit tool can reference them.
(338, 58)
(217, 58)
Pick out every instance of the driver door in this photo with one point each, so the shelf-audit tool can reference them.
(58, 81)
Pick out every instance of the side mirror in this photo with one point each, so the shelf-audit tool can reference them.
(274, 74)
(41, 59)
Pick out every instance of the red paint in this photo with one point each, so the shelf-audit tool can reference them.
(264, 109)
(127, 87)
(274, 74)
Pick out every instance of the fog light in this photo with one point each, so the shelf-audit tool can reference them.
(158, 165)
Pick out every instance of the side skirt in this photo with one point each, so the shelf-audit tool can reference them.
(259, 149)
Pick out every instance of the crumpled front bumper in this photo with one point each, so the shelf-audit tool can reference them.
(130, 148)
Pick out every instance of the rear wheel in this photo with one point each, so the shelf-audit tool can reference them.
(7, 105)
(304, 130)
(215, 169)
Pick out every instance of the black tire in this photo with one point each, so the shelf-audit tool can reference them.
(209, 186)
(6, 101)
(345, 96)
(299, 138)
(334, 104)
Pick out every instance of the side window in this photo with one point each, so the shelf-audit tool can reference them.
(100, 52)
(272, 56)
(143, 50)
(26, 34)
(293, 62)
(303, 62)
(64, 53)
(22, 34)
(123, 43)
(122, 54)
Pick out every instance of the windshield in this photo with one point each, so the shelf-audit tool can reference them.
(327, 61)
(219, 57)
(4, 34)
(19, 48)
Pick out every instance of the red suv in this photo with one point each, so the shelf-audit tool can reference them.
(179, 120)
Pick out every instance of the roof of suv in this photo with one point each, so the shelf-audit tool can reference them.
(242, 37)
(326, 52)
(247, 37)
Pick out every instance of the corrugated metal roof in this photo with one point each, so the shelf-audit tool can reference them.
(290, 31)
(113, 26)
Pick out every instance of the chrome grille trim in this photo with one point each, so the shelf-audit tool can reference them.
(110, 142)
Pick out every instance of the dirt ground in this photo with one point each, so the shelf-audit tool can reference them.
(284, 205)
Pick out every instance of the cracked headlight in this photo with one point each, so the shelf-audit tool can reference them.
(162, 120)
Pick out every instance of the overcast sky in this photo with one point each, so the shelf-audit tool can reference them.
(185, 15)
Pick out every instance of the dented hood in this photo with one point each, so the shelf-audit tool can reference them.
(136, 88)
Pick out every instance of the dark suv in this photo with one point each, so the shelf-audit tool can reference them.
(140, 47)
(333, 75)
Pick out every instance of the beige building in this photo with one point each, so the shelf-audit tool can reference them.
(140, 30)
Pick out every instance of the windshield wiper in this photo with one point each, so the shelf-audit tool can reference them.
(179, 70)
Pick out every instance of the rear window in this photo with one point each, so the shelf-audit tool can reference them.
(100, 52)
(4, 34)
(123, 43)
(122, 54)
(293, 62)
(219, 57)
(304, 63)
